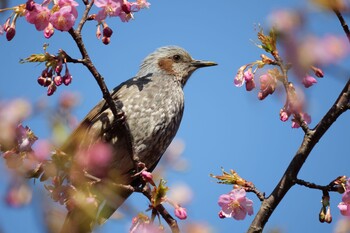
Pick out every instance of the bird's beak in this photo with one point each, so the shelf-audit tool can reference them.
(199, 63)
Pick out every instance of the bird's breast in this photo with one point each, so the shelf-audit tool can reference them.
(154, 115)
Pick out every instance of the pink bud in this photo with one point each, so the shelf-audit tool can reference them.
(308, 81)
(58, 80)
(67, 79)
(318, 72)
(250, 85)
(148, 177)
(284, 115)
(59, 67)
(51, 89)
(267, 86)
(181, 213)
(41, 81)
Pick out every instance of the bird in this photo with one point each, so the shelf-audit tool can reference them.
(151, 106)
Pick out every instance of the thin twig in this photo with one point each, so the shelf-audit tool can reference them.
(253, 189)
(163, 212)
(85, 15)
(329, 188)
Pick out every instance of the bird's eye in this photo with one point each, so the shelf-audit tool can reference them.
(176, 58)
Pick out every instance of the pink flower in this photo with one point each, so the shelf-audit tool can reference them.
(1, 30)
(18, 195)
(25, 138)
(181, 213)
(39, 16)
(308, 81)
(96, 159)
(140, 4)
(63, 19)
(73, 4)
(42, 150)
(109, 8)
(267, 86)
(235, 204)
(344, 206)
(239, 78)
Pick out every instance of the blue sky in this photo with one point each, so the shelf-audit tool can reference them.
(223, 126)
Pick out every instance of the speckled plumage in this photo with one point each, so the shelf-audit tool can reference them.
(153, 104)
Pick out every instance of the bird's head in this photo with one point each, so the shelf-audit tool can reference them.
(174, 61)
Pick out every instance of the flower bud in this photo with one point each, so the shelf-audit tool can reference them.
(322, 214)
(181, 213)
(30, 5)
(221, 215)
(107, 31)
(10, 33)
(126, 7)
(58, 80)
(308, 81)
(106, 40)
(51, 89)
(48, 82)
(284, 115)
(67, 79)
(148, 177)
(328, 216)
(41, 81)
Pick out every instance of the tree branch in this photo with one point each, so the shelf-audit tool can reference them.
(290, 176)
(328, 188)
(343, 23)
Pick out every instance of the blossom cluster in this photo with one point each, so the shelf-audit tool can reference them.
(270, 79)
(52, 77)
(62, 15)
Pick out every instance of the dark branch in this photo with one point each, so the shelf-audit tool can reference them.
(290, 176)
(343, 23)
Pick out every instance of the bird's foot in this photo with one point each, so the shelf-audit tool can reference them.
(140, 167)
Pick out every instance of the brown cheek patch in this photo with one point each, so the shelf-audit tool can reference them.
(166, 64)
